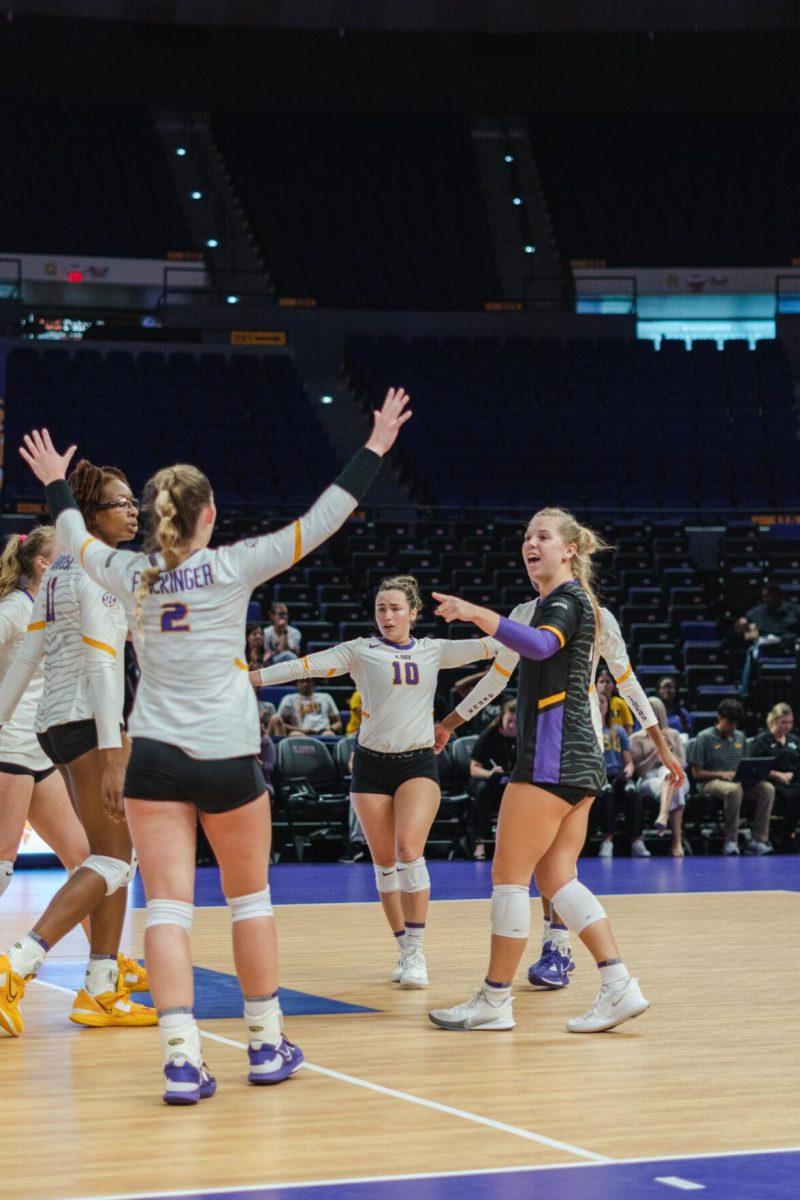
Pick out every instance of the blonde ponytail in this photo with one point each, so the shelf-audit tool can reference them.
(19, 555)
(173, 501)
(587, 543)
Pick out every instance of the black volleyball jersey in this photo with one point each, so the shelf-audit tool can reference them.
(556, 740)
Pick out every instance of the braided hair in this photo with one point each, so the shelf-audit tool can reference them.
(173, 501)
(87, 482)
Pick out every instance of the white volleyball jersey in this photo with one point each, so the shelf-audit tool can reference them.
(610, 646)
(397, 683)
(18, 741)
(193, 690)
(80, 628)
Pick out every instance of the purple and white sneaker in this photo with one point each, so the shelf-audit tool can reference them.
(186, 1083)
(553, 968)
(273, 1064)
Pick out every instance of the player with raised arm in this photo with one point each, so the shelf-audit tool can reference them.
(195, 732)
(395, 786)
(555, 963)
(559, 770)
(80, 630)
(31, 789)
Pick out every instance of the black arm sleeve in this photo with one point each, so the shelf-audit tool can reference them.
(59, 498)
(359, 473)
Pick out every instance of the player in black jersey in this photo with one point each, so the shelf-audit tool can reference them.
(559, 770)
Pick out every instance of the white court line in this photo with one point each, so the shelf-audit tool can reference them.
(500, 1126)
(683, 1185)
(480, 1171)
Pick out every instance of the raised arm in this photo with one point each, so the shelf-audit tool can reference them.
(336, 661)
(553, 632)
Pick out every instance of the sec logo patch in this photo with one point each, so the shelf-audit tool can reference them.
(109, 600)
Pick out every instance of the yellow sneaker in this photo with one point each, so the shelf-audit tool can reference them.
(134, 976)
(12, 989)
(111, 1009)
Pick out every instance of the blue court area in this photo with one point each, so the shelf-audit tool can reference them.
(340, 883)
(764, 1176)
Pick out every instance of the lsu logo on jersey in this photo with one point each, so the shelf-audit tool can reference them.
(109, 599)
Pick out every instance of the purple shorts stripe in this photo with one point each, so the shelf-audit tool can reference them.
(549, 736)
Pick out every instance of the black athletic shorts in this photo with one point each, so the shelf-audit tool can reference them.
(159, 771)
(384, 773)
(16, 769)
(64, 743)
(564, 791)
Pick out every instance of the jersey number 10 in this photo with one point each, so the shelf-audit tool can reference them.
(411, 672)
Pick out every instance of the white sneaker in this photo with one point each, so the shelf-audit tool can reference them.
(398, 970)
(413, 970)
(606, 849)
(730, 848)
(755, 847)
(639, 850)
(613, 1005)
(474, 1014)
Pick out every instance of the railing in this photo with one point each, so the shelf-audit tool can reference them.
(622, 300)
(787, 294)
(11, 288)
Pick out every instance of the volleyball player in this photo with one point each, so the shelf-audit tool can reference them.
(195, 732)
(395, 785)
(31, 789)
(555, 963)
(559, 770)
(80, 629)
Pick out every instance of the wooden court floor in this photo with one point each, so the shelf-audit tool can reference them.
(710, 1068)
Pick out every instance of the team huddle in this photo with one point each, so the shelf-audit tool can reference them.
(69, 597)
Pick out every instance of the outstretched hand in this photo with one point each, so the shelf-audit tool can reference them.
(388, 420)
(453, 608)
(42, 457)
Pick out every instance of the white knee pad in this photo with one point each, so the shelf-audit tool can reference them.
(6, 874)
(413, 876)
(386, 879)
(577, 906)
(169, 912)
(245, 908)
(114, 871)
(511, 911)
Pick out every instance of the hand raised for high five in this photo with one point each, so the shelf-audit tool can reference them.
(42, 457)
(388, 420)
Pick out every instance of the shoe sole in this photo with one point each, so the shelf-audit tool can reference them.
(548, 984)
(91, 1022)
(409, 985)
(628, 1016)
(261, 1080)
(458, 1027)
(8, 1028)
(182, 1099)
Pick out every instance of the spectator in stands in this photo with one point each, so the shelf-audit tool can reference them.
(310, 712)
(715, 757)
(677, 716)
(267, 754)
(620, 713)
(254, 648)
(618, 790)
(493, 758)
(354, 704)
(772, 617)
(653, 780)
(281, 639)
(783, 745)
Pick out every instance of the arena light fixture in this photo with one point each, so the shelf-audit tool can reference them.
(509, 158)
(326, 399)
(232, 299)
(517, 201)
(529, 249)
(181, 152)
(212, 243)
(197, 195)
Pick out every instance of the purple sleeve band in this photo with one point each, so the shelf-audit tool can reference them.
(529, 642)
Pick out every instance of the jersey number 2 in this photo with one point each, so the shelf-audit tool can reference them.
(411, 672)
(174, 618)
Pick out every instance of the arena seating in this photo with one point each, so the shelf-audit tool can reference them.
(245, 419)
(672, 190)
(86, 180)
(364, 210)
(601, 426)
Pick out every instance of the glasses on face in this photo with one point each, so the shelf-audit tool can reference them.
(120, 502)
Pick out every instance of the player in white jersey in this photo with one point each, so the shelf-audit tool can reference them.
(31, 789)
(196, 733)
(555, 963)
(395, 786)
(80, 629)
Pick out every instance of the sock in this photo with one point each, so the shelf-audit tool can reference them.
(415, 932)
(613, 970)
(400, 934)
(559, 936)
(179, 1035)
(6, 872)
(545, 931)
(263, 1018)
(28, 954)
(102, 973)
(496, 993)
